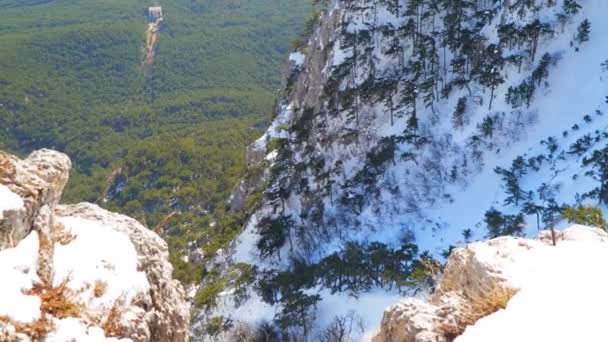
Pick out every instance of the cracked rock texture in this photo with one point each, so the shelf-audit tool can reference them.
(111, 274)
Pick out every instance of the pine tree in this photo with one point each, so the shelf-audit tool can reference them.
(522, 6)
(494, 221)
(297, 310)
(458, 119)
(518, 167)
(467, 234)
(524, 93)
(531, 208)
(507, 35)
(571, 7)
(514, 192)
(489, 73)
(487, 126)
(599, 164)
(583, 31)
(581, 145)
(274, 232)
(590, 216)
(533, 32)
(542, 70)
(499, 224)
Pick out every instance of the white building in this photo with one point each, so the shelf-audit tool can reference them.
(155, 13)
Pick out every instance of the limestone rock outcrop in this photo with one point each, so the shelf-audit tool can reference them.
(79, 272)
(480, 279)
(38, 181)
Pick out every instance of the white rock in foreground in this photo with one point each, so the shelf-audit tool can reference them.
(78, 272)
(559, 292)
(562, 294)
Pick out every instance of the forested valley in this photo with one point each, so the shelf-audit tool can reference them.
(163, 143)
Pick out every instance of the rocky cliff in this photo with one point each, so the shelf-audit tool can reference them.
(406, 128)
(78, 272)
(510, 289)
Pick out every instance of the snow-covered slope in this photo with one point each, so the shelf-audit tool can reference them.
(78, 272)
(403, 123)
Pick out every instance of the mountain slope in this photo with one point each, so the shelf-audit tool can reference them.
(407, 127)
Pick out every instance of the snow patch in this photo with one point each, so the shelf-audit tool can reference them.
(297, 58)
(18, 270)
(72, 329)
(9, 200)
(110, 259)
(562, 296)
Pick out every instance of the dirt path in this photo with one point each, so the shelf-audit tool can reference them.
(151, 42)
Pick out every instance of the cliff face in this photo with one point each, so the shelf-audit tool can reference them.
(78, 272)
(405, 128)
(510, 289)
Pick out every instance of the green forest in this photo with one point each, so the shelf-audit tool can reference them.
(147, 141)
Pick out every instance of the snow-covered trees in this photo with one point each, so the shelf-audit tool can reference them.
(274, 232)
(366, 156)
(522, 94)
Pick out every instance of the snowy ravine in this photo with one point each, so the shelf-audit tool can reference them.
(78, 272)
(394, 118)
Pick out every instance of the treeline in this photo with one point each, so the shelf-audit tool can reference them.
(356, 268)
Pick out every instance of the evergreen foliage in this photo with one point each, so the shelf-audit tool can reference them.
(598, 162)
(571, 7)
(583, 31)
(499, 224)
(590, 216)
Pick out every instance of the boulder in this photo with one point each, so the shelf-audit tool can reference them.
(79, 272)
(480, 279)
(28, 185)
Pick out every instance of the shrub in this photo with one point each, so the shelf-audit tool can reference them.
(111, 326)
(54, 300)
(100, 288)
(216, 325)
